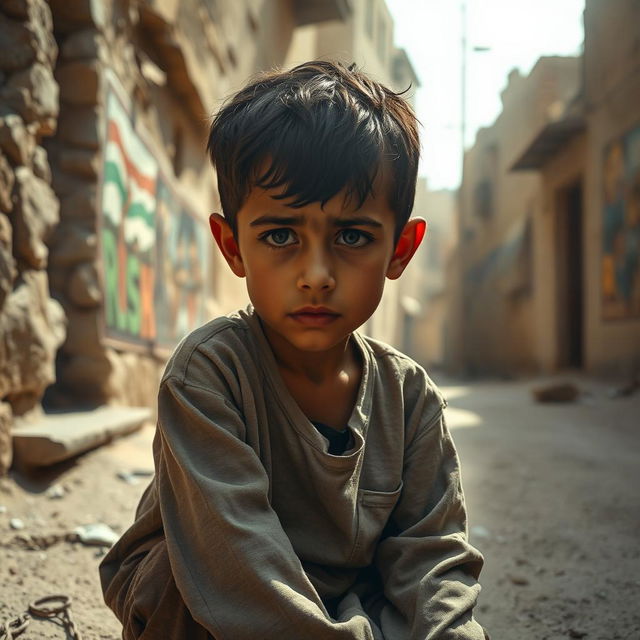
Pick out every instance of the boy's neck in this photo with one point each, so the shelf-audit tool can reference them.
(316, 367)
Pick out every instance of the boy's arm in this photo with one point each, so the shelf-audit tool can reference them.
(428, 567)
(232, 562)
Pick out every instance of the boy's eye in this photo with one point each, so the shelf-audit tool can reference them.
(279, 237)
(353, 238)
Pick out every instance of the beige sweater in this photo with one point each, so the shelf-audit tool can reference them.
(271, 537)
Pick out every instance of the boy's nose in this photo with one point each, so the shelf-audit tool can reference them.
(316, 273)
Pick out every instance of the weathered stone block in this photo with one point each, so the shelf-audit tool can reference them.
(79, 82)
(6, 448)
(40, 164)
(80, 204)
(69, 14)
(81, 127)
(34, 216)
(84, 286)
(15, 140)
(84, 335)
(80, 162)
(19, 45)
(7, 179)
(40, 102)
(71, 245)
(33, 327)
(89, 374)
(7, 263)
(53, 438)
(84, 44)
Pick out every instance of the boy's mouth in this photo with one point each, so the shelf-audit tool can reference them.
(315, 316)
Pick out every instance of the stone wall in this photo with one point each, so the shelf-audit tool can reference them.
(93, 37)
(32, 324)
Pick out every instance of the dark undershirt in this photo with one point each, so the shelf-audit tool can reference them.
(338, 440)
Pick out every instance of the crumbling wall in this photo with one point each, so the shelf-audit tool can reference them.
(93, 37)
(32, 324)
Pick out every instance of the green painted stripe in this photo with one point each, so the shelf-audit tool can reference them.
(112, 174)
(136, 210)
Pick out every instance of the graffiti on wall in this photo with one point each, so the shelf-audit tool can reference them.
(154, 251)
(621, 228)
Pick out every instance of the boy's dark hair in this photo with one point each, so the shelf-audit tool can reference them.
(314, 130)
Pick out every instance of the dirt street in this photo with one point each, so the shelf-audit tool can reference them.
(553, 497)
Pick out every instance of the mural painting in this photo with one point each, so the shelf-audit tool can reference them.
(621, 228)
(154, 252)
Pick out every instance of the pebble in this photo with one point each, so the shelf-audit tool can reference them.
(3, 509)
(16, 524)
(55, 492)
(480, 532)
(518, 580)
(128, 477)
(98, 534)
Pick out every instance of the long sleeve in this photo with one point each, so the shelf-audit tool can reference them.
(233, 563)
(428, 568)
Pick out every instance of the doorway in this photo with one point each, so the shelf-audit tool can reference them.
(570, 300)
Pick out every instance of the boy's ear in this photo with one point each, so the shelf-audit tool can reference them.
(407, 244)
(227, 243)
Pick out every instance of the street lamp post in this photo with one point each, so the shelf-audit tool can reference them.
(463, 302)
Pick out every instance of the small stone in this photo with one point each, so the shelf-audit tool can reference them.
(97, 534)
(573, 633)
(518, 580)
(3, 509)
(480, 532)
(128, 477)
(562, 392)
(55, 492)
(16, 524)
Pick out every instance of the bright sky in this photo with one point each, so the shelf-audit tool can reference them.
(517, 32)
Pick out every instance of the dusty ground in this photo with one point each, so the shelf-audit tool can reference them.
(553, 493)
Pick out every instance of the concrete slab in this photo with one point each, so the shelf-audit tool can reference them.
(56, 437)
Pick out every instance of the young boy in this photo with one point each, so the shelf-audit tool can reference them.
(306, 485)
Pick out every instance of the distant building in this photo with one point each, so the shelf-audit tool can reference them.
(547, 271)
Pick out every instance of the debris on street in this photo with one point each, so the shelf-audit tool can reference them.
(561, 392)
(98, 534)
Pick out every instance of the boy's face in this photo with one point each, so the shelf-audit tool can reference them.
(314, 274)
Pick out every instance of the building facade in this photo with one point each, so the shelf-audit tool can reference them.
(549, 252)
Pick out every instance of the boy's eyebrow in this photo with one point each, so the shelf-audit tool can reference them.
(357, 222)
(290, 221)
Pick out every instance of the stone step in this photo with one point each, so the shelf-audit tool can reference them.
(55, 437)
